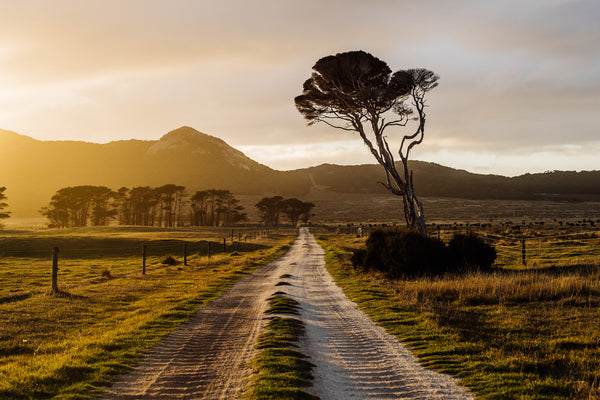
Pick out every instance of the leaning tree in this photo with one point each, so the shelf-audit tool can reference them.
(357, 92)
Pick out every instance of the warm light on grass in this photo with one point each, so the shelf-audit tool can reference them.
(508, 334)
(72, 343)
(283, 372)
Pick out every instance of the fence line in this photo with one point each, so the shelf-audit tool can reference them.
(545, 249)
(142, 250)
(514, 249)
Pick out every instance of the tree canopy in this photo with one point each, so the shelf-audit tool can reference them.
(271, 209)
(164, 206)
(357, 92)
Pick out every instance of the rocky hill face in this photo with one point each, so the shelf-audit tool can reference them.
(34, 170)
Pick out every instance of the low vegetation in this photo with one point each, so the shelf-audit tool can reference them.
(403, 253)
(509, 334)
(71, 344)
(283, 372)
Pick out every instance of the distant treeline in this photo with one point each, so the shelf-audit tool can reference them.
(164, 206)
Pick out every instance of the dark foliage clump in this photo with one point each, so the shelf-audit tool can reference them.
(405, 253)
(169, 260)
(401, 252)
(471, 252)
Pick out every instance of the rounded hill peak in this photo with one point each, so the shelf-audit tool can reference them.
(189, 134)
(188, 142)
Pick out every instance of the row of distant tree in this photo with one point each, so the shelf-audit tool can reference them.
(165, 206)
(3, 204)
(272, 208)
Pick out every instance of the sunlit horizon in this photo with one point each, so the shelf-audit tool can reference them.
(519, 82)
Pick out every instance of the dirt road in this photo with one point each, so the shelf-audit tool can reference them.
(355, 359)
(204, 358)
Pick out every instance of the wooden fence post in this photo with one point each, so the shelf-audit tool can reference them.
(209, 250)
(55, 270)
(224, 245)
(143, 259)
(185, 253)
(523, 253)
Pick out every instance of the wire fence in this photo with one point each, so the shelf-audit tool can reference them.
(517, 247)
(90, 247)
(546, 250)
(29, 265)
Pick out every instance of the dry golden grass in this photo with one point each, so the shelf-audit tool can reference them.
(510, 334)
(68, 344)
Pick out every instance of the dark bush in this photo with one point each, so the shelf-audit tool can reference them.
(169, 260)
(358, 258)
(399, 253)
(402, 253)
(471, 252)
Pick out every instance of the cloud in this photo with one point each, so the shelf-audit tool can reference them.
(514, 75)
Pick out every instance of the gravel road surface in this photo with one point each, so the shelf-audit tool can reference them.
(354, 358)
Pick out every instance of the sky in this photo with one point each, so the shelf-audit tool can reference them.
(519, 87)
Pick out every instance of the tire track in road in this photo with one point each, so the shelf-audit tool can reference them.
(204, 359)
(354, 358)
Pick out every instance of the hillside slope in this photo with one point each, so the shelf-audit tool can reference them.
(33, 170)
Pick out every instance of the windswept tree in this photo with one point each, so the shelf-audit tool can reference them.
(215, 208)
(77, 206)
(171, 198)
(231, 210)
(294, 209)
(103, 208)
(270, 209)
(357, 92)
(3, 204)
(139, 206)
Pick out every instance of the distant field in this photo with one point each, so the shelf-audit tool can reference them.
(357, 208)
(342, 208)
(107, 313)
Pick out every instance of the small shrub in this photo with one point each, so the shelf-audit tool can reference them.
(169, 260)
(105, 273)
(471, 252)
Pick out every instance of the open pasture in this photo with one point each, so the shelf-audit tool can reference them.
(69, 344)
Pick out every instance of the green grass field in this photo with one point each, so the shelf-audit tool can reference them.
(511, 334)
(69, 344)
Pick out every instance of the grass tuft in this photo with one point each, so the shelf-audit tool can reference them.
(281, 304)
(283, 372)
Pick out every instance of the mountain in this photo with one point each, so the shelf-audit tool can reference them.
(33, 170)
(434, 180)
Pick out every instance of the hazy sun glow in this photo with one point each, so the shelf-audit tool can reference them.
(519, 81)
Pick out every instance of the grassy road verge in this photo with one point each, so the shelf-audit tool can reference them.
(283, 372)
(505, 335)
